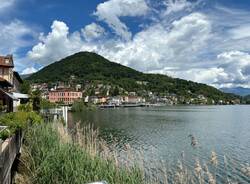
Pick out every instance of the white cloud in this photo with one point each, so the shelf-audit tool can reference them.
(176, 6)
(93, 31)
(240, 32)
(111, 11)
(158, 47)
(12, 36)
(57, 44)
(151, 49)
(29, 70)
(5, 5)
(236, 66)
(233, 70)
(201, 75)
(202, 47)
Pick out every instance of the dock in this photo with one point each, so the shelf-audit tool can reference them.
(106, 106)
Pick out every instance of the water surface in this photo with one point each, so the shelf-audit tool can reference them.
(163, 132)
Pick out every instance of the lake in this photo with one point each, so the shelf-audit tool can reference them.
(163, 133)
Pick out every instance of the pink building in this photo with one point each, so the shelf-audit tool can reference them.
(66, 96)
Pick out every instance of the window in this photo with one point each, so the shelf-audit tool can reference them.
(7, 61)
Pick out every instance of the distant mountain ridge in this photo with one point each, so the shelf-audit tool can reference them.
(25, 76)
(238, 91)
(88, 67)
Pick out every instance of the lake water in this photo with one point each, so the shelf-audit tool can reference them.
(162, 133)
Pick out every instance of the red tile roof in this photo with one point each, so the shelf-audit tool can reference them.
(6, 61)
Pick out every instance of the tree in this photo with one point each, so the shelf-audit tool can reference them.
(36, 99)
(25, 87)
(115, 91)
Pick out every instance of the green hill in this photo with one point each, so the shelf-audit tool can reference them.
(91, 67)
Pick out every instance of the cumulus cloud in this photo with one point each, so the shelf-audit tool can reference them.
(193, 46)
(12, 36)
(235, 65)
(240, 32)
(111, 11)
(150, 49)
(176, 6)
(5, 4)
(29, 70)
(157, 47)
(93, 31)
(57, 44)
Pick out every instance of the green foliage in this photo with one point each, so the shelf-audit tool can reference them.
(2, 107)
(78, 106)
(52, 161)
(45, 104)
(25, 107)
(4, 134)
(25, 87)
(19, 120)
(246, 99)
(115, 91)
(36, 100)
(90, 67)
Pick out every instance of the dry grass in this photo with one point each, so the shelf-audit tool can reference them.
(133, 163)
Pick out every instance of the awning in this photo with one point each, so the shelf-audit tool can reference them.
(20, 95)
(15, 96)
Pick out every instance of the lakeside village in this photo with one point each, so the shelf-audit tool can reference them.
(97, 93)
(107, 96)
(49, 144)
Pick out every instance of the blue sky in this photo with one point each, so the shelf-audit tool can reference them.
(206, 41)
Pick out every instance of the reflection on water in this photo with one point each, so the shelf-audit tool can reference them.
(164, 131)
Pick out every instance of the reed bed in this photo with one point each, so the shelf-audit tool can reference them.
(53, 155)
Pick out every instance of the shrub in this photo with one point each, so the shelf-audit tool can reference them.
(45, 104)
(18, 120)
(78, 106)
(4, 134)
(25, 107)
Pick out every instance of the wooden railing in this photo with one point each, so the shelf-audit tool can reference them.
(9, 150)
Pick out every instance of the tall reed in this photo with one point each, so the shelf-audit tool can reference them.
(50, 157)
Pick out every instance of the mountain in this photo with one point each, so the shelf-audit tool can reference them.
(89, 67)
(238, 91)
(25, 76)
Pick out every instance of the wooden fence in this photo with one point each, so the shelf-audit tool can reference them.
(9, 150)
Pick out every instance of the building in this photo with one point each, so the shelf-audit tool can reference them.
(64, 95)
(133, 99)
(116, 100)
(6, 71)
(10, 82)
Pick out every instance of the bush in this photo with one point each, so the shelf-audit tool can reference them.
(4, 134)
(45, 104)
(18, 120)
(78, 106)
(25, 107)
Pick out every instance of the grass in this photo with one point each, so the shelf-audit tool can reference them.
(49, 156)
(52, 155)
